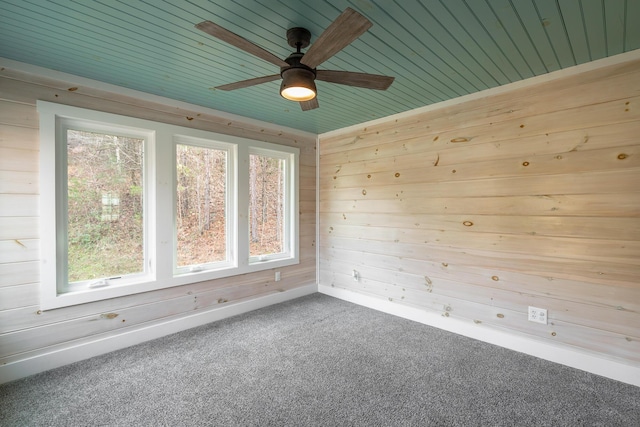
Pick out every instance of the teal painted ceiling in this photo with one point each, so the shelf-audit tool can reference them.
(435, 49)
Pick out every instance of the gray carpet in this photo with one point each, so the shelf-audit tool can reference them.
(317, 361)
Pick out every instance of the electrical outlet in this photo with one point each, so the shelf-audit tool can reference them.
(538, 315)
(277, 276)
(355, 275)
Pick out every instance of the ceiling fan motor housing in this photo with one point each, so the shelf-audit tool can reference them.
(294, 62)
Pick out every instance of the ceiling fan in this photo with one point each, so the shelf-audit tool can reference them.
(298, 71)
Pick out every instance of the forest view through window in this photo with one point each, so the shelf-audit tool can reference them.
(201, 196)
(104, 205)
(266, 205)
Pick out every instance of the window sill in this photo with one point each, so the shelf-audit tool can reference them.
(115, 290)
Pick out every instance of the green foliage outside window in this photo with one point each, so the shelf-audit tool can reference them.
(105, 239)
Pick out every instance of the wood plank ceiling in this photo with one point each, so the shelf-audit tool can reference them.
(436, 49)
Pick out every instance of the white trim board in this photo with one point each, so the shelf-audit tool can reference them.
(552, 352)
(107, 343)
(554, 75)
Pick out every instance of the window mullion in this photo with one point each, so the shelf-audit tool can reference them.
(161, 220)
(242, 194)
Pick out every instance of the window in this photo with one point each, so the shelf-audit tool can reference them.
(104, 209)
(202, 200)
(267, 205)
(130, 205)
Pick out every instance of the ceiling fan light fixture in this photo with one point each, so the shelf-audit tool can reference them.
(298, 84)
(299, 70)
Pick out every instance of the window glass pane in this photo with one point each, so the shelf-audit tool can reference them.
(201, 205)
(266, 205)
(105, 231)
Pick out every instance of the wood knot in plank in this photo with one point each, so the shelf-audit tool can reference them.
(72, 89)
(500, 315)
(495, 278)
(525, 163)
(109, 315)
(467, 223)
(622, 156)
(460, 139)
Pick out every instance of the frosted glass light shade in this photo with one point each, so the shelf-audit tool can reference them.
(298, 84)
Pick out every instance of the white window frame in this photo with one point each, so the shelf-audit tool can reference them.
(230, 205)
(63, 124)
(159, 204)
(287, 211)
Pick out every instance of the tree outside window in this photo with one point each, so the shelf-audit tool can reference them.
(104, 205)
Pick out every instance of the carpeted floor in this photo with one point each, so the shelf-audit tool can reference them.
(317, 361)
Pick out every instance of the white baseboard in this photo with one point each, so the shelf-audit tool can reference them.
(564, 355)
(121, 339)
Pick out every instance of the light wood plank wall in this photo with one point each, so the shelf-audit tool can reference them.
(26, 331)
(478, 210)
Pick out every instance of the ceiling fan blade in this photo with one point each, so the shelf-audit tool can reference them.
(368, 81)
(249, 82)
(309, 105)
(345, 29)
(235, 40)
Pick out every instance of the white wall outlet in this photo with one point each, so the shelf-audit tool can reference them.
(277, 276)
(355, 275)
(538, 315)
